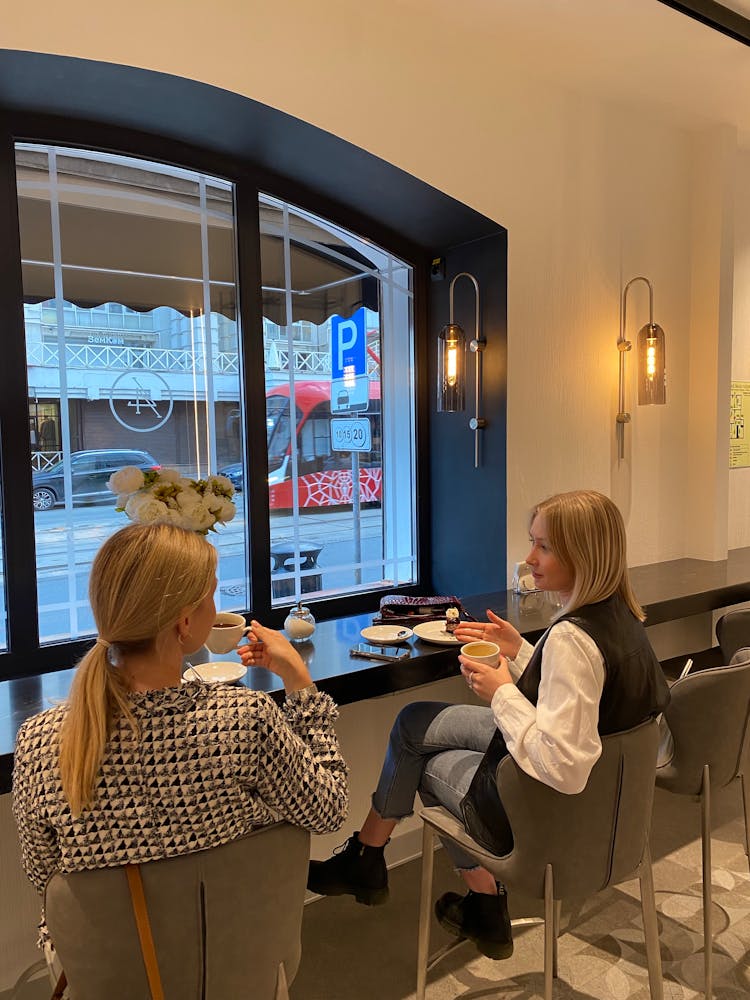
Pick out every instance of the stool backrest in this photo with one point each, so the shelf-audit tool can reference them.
(709, 717)
(223, 921)
(592, 839)
(733, 632)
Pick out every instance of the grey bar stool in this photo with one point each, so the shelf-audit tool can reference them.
(733, 632)
(226, 922)
(564, 845)
(709, 718)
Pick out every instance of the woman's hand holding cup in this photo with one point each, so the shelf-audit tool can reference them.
(272, 650)
(496, 630)
(482, 678)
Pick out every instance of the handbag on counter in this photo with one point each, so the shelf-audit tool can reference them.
(400, 609)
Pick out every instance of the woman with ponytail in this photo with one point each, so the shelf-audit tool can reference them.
(138, 766)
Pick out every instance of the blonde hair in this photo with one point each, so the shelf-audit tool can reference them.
(142, 580)
(586, 532)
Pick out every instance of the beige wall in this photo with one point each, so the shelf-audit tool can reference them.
(739, 479)
(592, 192)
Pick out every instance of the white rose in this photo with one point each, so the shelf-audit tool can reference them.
(144, 508)
(213, 502)
(227, 511)
(199, 517)
(222, 484)
(127, 480)
(169, 475)
(188, 498)
(177, 518)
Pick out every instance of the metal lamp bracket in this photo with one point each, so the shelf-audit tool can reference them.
(623, 346)
(476, 346)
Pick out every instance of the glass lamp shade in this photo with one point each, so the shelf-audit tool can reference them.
(451, 369)
(652, 379)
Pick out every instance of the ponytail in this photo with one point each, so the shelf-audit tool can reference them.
(142, 579)
(98, 696)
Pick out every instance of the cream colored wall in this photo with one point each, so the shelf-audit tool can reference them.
(591, 191)
(739, 479)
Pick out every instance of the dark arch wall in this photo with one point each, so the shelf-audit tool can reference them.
(65, 100)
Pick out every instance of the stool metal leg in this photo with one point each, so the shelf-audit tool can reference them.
(558, 908)
(425, 898)
(650, 926)
(550, 941)
(746, 813)
(708, 936)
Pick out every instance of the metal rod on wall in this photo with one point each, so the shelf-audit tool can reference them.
(477, 345)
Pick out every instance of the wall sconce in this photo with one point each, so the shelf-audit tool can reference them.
(652, 383)
(451, 367)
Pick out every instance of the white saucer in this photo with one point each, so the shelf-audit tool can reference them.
(216, 672)
(386, 635)
(435, 632)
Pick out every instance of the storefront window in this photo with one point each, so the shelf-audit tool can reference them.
(133, 358)
(132, 347)
(338, 332)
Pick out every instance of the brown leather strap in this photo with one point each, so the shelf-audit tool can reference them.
(138, 897)
(62, 982)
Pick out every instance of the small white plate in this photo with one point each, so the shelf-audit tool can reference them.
(386, 635)
(435, 632)
(216, 672)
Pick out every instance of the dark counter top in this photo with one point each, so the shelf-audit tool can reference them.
(669, 591)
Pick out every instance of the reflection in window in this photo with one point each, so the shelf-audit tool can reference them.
(338, 337)
(132, 349)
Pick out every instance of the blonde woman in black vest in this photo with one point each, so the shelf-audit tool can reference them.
(593, 672)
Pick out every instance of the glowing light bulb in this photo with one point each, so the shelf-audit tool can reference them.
(451, 368)
(651, 357)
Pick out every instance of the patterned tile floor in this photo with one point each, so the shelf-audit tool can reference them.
(353, 952)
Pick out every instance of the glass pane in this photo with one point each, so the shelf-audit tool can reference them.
(132, 346)
(338, 338)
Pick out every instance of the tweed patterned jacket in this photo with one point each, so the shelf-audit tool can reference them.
(210, 764)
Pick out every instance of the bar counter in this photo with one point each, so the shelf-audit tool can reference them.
(669, 591)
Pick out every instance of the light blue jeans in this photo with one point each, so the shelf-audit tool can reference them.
(434, 749)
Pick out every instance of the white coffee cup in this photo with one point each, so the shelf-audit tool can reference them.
(482, 652)
(227, 631)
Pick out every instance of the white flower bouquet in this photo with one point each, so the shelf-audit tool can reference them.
(163, 495)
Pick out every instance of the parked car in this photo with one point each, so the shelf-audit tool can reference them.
(90, 471)
(233, 473)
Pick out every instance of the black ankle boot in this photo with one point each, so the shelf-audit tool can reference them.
(354, 869)
(479, 917)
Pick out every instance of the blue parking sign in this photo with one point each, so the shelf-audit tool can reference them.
(348, 345)
(349, 381)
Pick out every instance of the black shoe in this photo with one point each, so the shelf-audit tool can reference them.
(479, 917)
(355, 869)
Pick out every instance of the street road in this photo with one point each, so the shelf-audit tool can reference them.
(66, 542)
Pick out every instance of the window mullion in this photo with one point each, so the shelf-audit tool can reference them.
(18, 516)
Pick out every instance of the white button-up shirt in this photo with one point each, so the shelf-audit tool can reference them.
(557, 741)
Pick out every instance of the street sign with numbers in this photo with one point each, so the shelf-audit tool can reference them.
(351, 435)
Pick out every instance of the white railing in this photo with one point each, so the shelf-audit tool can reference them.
(159, 359)
(305, 361)
(43, 460)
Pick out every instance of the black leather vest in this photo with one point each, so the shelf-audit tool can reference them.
(634, 686)
(635, 689)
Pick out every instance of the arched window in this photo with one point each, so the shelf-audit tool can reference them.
(136, 356)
